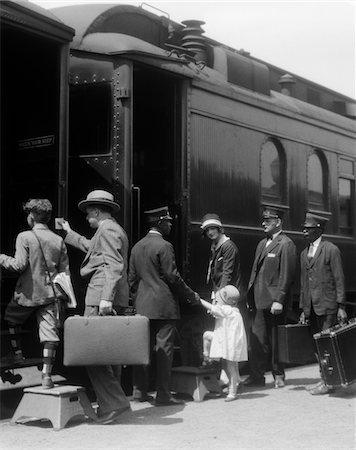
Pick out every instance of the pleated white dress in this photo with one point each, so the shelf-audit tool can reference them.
(229, 338)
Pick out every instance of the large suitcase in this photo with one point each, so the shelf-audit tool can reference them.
(337, 357)
(295, 344)
(108, 340)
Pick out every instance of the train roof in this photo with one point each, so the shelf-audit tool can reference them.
(28, 16)
(182, 48)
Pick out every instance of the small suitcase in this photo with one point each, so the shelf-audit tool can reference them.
(336, 350)
(295, 344)
(108, 340)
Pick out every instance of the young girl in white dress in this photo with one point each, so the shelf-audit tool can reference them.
(228, 340)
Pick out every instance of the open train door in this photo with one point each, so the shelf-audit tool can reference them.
(34, 103)
(157, 163)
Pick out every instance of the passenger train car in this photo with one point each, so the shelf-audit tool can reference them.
(159, 114)
(34, 132)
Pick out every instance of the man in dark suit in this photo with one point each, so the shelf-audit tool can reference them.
(155, 286)
(322, 286)
(269, 293)
(105, 269)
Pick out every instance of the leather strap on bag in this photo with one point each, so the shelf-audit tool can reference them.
(49, 273)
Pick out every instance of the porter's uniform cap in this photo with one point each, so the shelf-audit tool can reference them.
(99, 197)
(155, 215)
(210, 220)
(314, 221)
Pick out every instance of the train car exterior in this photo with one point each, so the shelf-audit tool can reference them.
(34, 135)
(162, 115)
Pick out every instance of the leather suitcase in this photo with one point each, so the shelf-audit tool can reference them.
(336, 350)
(109, 340)
(295, 344)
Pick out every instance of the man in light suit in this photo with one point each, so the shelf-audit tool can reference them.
(155, 286)
(322, 284)
(105, 269)
(269, 292)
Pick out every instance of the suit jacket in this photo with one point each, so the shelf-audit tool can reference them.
(33, 287)
(273, 272)
(154, 280)
(225, 266)
(105, 263)
(322, 280)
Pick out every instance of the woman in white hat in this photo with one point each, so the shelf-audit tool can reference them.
(224, 262)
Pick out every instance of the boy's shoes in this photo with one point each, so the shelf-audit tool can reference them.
(47, 382)
(250, 381)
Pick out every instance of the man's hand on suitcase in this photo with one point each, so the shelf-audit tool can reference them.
(276, 308)
(302, 319)
(341, 315)
(105, 308)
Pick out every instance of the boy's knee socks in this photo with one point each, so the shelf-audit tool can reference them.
(49, 355)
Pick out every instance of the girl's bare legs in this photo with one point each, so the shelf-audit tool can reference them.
(232, 370)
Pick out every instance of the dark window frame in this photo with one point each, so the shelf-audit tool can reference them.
(281, 198)
(347, 230)
(323, 207)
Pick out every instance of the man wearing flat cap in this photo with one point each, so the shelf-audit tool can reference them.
(269, 294)
(322, 285)
(105, 269)
(155, 286)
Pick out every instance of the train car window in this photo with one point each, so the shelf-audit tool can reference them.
(90, 114)
(317, 183)
(346, 202)
(273, 168)
(346, 196)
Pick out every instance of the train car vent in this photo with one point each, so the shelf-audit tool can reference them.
(193, 40)
(286, 83)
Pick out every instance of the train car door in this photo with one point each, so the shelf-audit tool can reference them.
(157, 143)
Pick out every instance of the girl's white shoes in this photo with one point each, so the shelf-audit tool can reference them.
(231, 397)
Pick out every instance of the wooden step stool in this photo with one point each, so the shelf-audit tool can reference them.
(59, 405)
(195, 381)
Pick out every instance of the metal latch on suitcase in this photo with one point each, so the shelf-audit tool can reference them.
(325, 362)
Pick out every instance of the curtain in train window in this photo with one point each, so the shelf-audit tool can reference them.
(272, 173)
(317, 183)
(346, 202)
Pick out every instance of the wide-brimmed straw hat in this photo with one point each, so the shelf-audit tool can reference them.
(99, 197)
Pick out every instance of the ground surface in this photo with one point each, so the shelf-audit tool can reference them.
(261, 418)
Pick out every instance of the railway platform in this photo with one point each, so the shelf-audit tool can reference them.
(261, 418)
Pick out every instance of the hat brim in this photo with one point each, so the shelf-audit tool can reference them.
(211, 223)
(85, 203)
